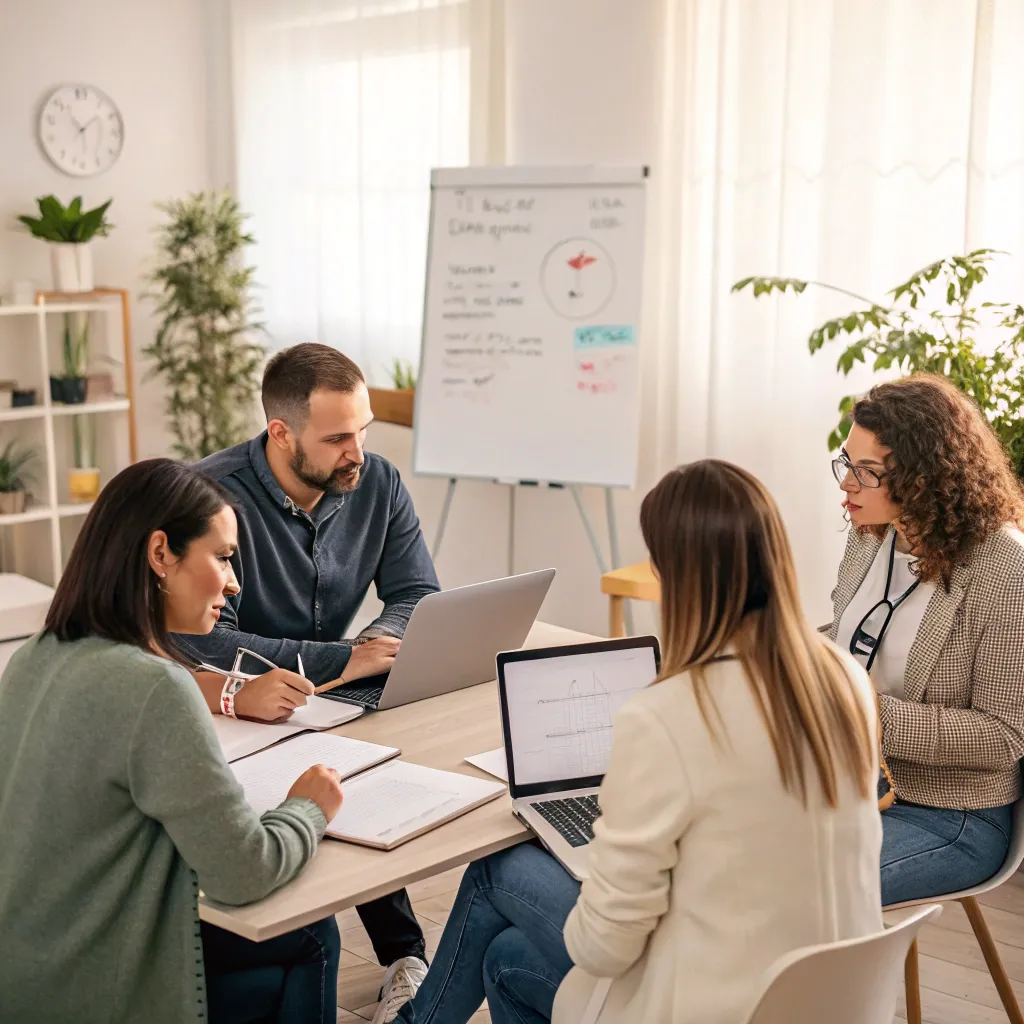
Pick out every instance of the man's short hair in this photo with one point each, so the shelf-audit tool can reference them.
(296, 372)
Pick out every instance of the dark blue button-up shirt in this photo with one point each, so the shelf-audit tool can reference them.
(303, 576)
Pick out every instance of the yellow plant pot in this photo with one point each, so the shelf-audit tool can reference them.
(83, 485)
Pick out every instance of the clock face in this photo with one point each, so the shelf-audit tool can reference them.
(80, 130)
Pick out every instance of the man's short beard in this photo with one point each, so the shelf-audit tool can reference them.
(338, 481)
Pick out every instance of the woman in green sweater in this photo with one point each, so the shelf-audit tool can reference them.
(116, 804)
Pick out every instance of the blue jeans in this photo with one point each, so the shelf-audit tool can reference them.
(928, 851)
(292, 979)
(503, 940)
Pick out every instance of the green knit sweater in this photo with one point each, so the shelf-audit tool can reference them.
(116, 807)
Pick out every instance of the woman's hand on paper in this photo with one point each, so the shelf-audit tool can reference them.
(322, 785)
(372, 658)
(273, 696)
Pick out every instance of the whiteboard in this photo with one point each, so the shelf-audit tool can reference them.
(529, 365)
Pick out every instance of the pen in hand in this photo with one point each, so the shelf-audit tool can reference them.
(302, 671)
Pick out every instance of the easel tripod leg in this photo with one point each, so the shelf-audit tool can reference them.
(591, 535)
(443, 521)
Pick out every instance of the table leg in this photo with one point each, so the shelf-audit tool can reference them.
(617, 616)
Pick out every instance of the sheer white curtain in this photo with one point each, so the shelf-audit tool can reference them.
(341, 109)
(846, 142)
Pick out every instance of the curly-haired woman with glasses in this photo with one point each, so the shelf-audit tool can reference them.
(930, 599)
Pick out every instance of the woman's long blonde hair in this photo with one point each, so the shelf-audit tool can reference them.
(718, 545)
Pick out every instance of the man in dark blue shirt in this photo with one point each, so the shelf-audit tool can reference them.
(320, 520)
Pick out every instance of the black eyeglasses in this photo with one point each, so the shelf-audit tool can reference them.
(864, 476)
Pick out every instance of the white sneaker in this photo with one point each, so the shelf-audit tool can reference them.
(402, 980)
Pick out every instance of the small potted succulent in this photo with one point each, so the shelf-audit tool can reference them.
(15, 476)
(69, 230)
(396, 404)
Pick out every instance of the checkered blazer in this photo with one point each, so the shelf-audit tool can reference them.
(957, 737)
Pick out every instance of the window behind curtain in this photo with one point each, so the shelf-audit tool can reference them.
(342, 108)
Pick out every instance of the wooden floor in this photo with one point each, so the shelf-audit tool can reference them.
(955, 985)
(360, 976)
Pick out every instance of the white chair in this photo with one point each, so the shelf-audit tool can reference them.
(966, 898)
(856, 981)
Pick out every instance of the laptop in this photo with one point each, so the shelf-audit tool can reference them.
(557, 707)
(452, 639)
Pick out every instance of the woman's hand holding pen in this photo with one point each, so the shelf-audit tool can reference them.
(273, 696)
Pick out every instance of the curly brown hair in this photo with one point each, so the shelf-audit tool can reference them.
(947, 469)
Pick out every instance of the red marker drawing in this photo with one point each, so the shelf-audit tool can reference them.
(578, 263)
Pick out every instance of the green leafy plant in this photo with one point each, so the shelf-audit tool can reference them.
(932, 325)
(402, 374)
(15, 460)
(76, 345)
(204, 347)
(57, 223)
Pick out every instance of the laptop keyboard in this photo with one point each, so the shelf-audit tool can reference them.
(360, 694)
(572, 817)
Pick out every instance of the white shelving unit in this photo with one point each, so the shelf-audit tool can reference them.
(104, 302)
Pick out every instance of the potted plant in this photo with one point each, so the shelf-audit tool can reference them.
(69, 230)
(204, 347)
(940, 339)
(396, 404)
(84, 476)
(71, 387)
(15, 476)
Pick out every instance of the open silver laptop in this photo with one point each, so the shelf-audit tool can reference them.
(557, 706)
(452, 639)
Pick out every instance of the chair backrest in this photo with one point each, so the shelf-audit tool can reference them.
(856, 981)
(1015, 853)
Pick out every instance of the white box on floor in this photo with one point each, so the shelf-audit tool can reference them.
(23, 606)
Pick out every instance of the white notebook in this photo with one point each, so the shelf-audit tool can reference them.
(239, 737)
(267, 776)
(399, 801)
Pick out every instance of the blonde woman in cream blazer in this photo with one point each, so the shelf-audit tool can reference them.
(739, 820)
(705, 868)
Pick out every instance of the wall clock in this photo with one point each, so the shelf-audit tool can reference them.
(80, 130)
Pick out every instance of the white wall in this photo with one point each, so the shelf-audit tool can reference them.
(580, 83)
(580, 90)
(150, 57)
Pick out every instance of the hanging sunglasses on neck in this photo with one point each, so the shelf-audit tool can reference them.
(862, 643)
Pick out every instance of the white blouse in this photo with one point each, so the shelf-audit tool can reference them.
(891, 661)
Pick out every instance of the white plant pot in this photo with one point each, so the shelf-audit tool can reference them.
(71, 263)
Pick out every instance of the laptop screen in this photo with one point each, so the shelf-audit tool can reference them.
(558, 706)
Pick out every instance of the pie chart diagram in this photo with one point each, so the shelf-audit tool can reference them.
(578, 278)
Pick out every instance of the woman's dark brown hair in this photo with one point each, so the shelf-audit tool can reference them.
(947, 469)
(728, 584)
(109, 589)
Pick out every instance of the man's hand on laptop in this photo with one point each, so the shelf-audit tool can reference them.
(371, 658)
(273, 696)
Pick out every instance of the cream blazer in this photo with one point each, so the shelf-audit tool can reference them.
(704, 870)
